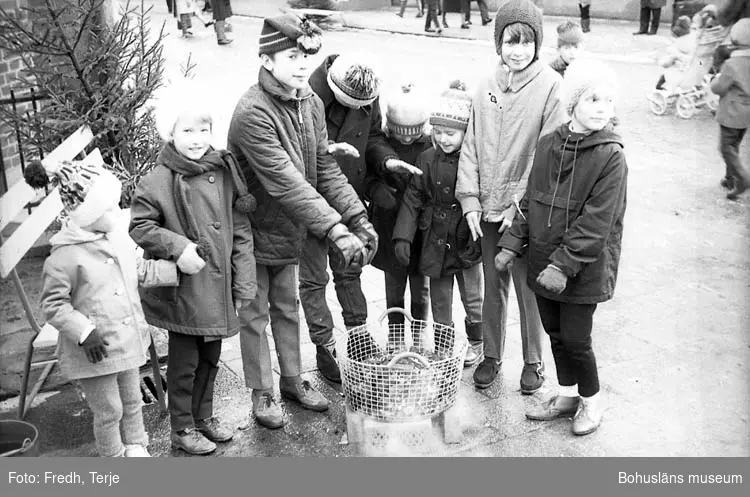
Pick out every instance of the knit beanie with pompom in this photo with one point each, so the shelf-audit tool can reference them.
(453, 108)
(408, 111)
(353, 82)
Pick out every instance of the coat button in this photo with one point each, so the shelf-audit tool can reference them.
(211, 178)
(359, 134)
(110, 260)
(217, 225)
(439, 241)
(447, 189)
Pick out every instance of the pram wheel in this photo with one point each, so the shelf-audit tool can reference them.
(658, 102)
(685, 107)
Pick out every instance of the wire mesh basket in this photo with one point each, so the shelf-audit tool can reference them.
(401, 371)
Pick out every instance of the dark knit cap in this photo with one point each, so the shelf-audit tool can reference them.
(289, 31)
(513, 11)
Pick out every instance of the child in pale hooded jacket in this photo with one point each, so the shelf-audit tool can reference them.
(90, 295)
(511, 110)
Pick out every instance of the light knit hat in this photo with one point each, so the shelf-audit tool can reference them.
(583, 75)
(87, 190)
(681, 26)
(453, 108)
(569, 33)
(408, 111)
(513, 11)
(353, 82)
(289, 31)
(740, 32)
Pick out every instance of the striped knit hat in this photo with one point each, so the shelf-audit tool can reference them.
(354, 83)
(407, 111)
(454, 108)
(289, 31)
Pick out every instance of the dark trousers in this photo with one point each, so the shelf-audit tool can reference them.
(395, 287)
(569, 329)
(191, 371)
(730, 141)
(483, 10)
(432, 14)
(654, 15)
(313, 278)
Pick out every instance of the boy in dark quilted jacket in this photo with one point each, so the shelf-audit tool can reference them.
(447, 249)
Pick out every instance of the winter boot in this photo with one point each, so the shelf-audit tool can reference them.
(221, 36)
(655, 16)
(475, 351)
(325, 358)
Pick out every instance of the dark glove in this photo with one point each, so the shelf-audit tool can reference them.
(365, 231)
(95, 347)
(403, 251)
(384, 196)
(553, 280)
(503, 259)
(349, 250)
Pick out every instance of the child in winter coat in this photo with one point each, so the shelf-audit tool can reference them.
(512, 108)
(570, 225)
(184, 11)
(192, 208)
(733, 87)
(447, 251)
(569, 42)
(406, 117)
(678, 55)
(90, 294)
(278, 131)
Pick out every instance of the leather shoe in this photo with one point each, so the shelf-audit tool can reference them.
(193, 442)
(486, 373)
(214, 430)
(532, 378)
(302, 391)
(266, 411)
(327, 365)
(556, 407)
(587, 418)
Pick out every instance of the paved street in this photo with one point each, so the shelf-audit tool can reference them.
(672, 347)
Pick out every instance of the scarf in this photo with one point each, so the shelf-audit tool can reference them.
(183, 167)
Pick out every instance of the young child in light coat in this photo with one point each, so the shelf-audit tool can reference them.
(90, 295)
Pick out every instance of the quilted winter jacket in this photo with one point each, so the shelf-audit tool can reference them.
(91, 281)
(281, 145)
(430, 206)
(361, 128)
(572, 214)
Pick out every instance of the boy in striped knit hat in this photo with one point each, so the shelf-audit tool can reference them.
(278, 134)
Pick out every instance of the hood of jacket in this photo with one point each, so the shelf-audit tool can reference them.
(72, 234)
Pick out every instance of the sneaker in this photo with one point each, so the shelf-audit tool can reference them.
(485, 374)
(556, 407)
(327, 365)
(136, 450)
(302, 391)
(193, 442)
(266, 411)
(532, 378)
(214, 430)
(474, 354)
(587, 418)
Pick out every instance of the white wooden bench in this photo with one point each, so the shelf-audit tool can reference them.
(12, 204)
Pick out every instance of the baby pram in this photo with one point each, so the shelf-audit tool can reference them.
(692, 90)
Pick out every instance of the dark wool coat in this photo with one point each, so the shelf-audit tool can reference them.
(203, 303)
(653, 4)
(362, 128)
(221, 9)
(574, 208)
(733, 11)
(430, 206)
(281, 145)
(384, 219)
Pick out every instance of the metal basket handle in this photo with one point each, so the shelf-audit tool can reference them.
(396, 310)
(422, 360)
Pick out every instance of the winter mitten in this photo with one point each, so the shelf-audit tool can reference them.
(95, 347)
(365, 231)
(348, 248)
(553, 279)
(189, 261)
(503, 259)
(384, 196)
(403, 251)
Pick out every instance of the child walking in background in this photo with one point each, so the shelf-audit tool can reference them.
(447, 251)
(192, 208)
(570, 225)
(184, 11)
(569, 42)
(90, 295)
(513, 107)
(733, 87)
(406, 117)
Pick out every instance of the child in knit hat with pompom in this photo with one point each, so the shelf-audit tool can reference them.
(447, 250)
(732, 85)
(408, 110)
(570, 225)
(514, 105)
(193, 208)
(678, 54)
(90, 295)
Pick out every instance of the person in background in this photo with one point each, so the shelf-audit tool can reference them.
(650, 9)
(584, 6)
(569, 43)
